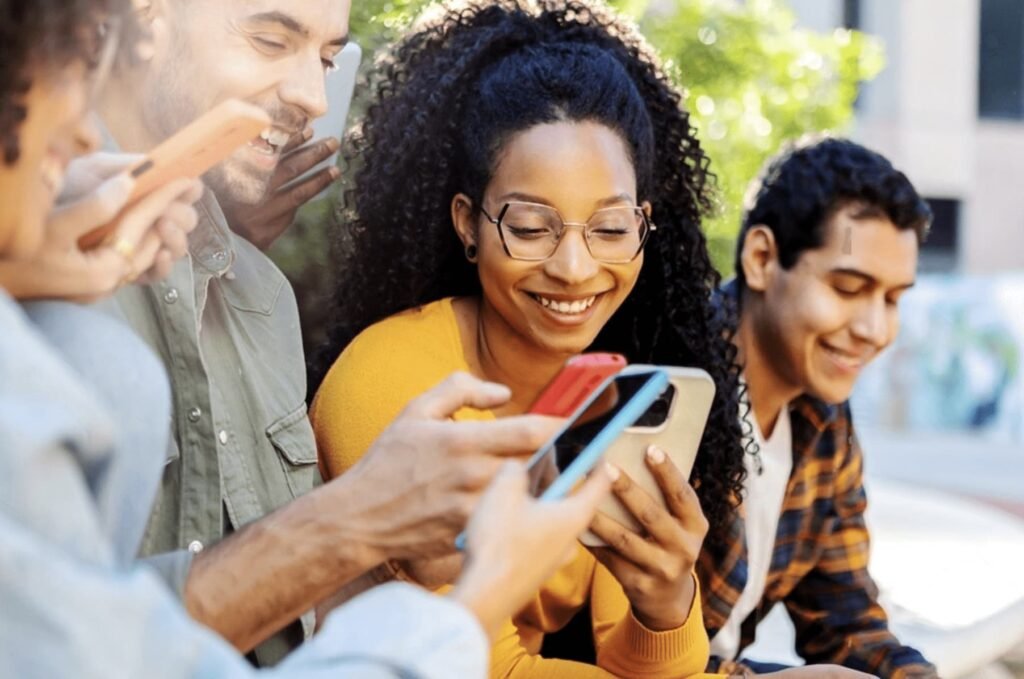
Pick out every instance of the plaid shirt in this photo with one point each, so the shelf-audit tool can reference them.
(819, 563)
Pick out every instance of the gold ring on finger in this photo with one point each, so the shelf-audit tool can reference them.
(125, 249)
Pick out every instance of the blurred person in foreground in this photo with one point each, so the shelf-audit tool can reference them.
(237, 527)
(829, 245)
(74, 603)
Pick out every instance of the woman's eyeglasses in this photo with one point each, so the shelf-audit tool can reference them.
(531, 231)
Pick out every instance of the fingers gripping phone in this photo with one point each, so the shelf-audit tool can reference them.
(674, 422)
(558, 466)
(565, 460)
(190, 153)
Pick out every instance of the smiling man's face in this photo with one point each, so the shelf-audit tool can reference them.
(836, 309)
(271, 53)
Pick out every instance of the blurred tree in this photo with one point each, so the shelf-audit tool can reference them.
(751, 77)
(752, 80)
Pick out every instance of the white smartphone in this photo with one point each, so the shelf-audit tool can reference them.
(675, 423)
(340, 85)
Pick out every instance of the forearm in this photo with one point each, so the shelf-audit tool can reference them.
(380, 575)
(269, 573)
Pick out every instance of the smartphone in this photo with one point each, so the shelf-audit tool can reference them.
(624, 397)
(577, 380)
(190, 152)
(340, 85)
(674, 422)
(563, 462)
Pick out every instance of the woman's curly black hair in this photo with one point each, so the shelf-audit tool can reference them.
(43, 34)
(447, 99)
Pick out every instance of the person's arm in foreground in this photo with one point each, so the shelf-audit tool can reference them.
(407, 498)
(835, 607)
(655, 628)
(63, 613)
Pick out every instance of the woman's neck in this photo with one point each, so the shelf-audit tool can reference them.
(495, 352)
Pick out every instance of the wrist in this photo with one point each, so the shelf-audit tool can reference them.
(336, 530)
(661, 617)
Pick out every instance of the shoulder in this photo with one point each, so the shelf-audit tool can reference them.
(418, 347)
(386, 366)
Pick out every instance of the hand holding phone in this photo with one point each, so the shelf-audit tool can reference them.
(675, 423)
(565, 460)
(655, 565)
(188, 155)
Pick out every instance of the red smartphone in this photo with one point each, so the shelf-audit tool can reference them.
(578, 379)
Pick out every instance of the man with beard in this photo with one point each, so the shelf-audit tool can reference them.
(226, 325)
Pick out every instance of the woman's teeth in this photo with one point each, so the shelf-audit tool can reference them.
(562, 307)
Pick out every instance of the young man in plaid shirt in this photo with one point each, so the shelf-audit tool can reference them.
(829, 244)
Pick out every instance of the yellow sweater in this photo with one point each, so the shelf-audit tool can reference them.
(398, 359)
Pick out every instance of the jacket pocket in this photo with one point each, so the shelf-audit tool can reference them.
(292, 437)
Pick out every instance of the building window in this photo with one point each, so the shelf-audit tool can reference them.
(940, 251)
(1001, 60)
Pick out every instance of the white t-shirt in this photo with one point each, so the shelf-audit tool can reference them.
(763, 496)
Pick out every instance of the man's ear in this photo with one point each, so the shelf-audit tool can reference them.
(759, 257)
(462, 220)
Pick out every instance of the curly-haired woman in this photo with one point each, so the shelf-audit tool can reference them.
(530, 188)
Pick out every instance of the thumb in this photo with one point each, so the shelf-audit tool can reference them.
(99, 208)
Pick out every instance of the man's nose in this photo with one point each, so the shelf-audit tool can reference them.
(305, 87)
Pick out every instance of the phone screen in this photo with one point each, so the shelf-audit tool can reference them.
(547, 466)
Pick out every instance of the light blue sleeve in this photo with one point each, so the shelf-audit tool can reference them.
(67, 617)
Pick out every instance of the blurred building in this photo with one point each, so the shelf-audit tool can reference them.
(949, 111)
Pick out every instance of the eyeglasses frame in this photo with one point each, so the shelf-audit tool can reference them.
(648, 224)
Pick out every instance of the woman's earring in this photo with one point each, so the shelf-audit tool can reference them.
(471, 252)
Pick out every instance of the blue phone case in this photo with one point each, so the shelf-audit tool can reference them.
(591, 454)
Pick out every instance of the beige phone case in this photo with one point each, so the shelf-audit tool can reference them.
(679, 436)
(190, 152)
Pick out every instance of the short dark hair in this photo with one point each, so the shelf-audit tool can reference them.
(40, 34)
(811, 179)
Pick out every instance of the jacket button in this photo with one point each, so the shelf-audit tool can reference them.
(195, 414)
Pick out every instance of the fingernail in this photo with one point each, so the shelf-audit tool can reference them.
(334, 173)
(333, 144)
(307, 134)
(655, 454)
(612, 471)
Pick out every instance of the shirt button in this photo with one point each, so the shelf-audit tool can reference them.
(195, 547)
(222, 436)
(171, 296)
(230, 275)
(194, 414)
